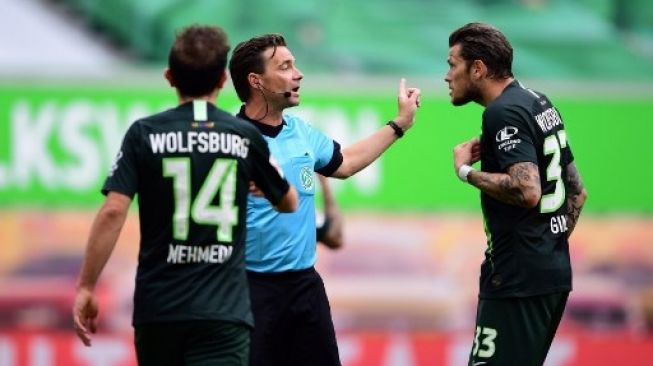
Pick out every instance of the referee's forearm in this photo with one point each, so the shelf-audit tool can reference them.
(362, 153)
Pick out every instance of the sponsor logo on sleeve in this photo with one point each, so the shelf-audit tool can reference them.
(114, 166)
(506, 140)
(506, 133)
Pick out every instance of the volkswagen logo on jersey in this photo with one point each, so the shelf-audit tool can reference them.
(306, 178)
(506, 133)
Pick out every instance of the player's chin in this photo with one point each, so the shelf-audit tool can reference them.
(458, 101)
(452, 97)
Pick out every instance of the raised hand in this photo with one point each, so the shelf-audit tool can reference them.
(469, 152)
(408, 101)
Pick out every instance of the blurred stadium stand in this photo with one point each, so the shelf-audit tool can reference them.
(582, 39)
(42, 38)
(609, 40)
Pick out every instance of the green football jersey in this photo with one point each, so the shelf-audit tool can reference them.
(190, 168)
(528, 252)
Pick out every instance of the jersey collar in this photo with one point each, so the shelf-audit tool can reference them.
(267, 130)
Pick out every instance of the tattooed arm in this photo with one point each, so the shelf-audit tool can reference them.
(520, 186)
(576, 196)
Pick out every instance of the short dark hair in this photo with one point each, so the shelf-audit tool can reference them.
(479, 41)
(197, 59)
(247, 57)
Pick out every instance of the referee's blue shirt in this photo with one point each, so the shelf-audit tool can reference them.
(279, 242)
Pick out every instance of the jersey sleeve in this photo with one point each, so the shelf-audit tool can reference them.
(328, 156)
(264, 174)
(123, 176)
(510, 136)
(567, 155)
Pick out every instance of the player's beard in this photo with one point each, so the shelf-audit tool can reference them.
(472, 94)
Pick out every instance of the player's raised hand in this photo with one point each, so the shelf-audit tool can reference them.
(476, 150)
(85, 312)
(408, 101)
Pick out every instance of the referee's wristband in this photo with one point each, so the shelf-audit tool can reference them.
(398, 131)
(463, 172)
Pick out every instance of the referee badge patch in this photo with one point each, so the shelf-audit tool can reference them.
(306, 178)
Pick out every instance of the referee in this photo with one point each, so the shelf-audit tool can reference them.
(292, 316)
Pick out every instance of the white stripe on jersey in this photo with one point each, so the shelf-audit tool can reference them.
(200, 110)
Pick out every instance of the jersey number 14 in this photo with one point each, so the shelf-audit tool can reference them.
(221, 179)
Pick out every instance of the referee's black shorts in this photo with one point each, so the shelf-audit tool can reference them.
(516, 331)
(192, 343)
(292, 320)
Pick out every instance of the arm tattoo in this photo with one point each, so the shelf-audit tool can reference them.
(576, 195)
(520, 186)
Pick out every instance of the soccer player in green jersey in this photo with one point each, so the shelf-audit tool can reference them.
(191, 168)
(531, 196)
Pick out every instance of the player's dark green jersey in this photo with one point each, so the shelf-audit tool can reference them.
(528, 252)
(190, 167)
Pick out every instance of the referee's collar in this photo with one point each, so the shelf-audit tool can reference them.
(265, 129)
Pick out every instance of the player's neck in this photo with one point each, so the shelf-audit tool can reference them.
(209, 98)
(493, 89)
(264, 113)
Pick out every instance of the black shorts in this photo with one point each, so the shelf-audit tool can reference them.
(516, 331)
(192, 343)
(292, 320)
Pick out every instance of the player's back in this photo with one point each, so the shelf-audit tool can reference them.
(191, 167)
(195, 174)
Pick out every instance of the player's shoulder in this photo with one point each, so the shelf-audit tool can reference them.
(516, 98)
(153, 121)
(240, 125)
(142, 124)
(518, 94)
(166, 114)
(501, 107)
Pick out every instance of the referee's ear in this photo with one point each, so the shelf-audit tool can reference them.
(167, 74)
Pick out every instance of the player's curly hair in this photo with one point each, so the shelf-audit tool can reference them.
(197, 59)
(248, 57)
(480, 41)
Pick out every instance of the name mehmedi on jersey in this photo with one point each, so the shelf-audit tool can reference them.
(215, 253)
